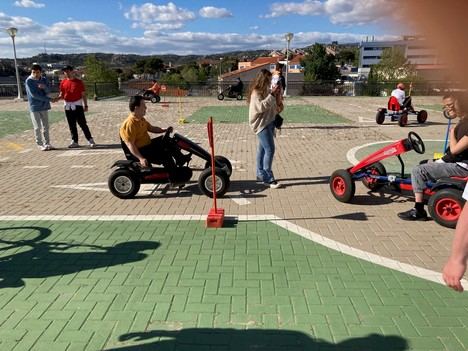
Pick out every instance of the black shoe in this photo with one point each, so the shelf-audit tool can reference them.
(413, 215)
(183, 159)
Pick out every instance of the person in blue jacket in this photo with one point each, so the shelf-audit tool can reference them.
(39, 104)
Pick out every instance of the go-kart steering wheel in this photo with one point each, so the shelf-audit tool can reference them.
(416, 142)
(447, 115)
(167, 134)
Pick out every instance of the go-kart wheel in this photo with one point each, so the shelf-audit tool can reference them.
(416, 143)
(155, 99)
(376, 169)
(403, 120)
(380, 116)
(422, 116)
(342, 185)
(221, 96)
(223, 160)
(205, 182)
(124, 184)
(239, 97)
(445, 206)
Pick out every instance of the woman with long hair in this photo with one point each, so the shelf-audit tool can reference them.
(262, 112)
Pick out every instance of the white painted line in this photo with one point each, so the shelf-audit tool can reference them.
(89, 152)
(3, 159)
(25, 151)
(238, 199)
(35, 167)
(419, 272)
(351, 154)
(81, 166)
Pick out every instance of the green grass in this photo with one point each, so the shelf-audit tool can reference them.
(436, 107)
(291, 114)
(12, 122)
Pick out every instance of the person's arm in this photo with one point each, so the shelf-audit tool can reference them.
(32, 91)
(156, 130)
(85, 99)
(457, 147)
(455, 267)
(135, 152)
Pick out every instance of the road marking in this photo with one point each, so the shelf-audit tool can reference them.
(81, 166)
(3, 159)
(351, 154)
(406, 268)
(35, 167)
(239, 199)
(25, 151)
(13, 146)
(88, 152)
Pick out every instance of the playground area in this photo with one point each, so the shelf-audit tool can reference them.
(292, 268)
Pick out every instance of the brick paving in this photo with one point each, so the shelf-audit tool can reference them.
(253, 285)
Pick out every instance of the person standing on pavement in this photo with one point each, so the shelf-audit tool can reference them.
(263, 104)
(37, 89)
(72, 91)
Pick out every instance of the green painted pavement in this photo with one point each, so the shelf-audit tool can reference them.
(141, 285)
(292, 114)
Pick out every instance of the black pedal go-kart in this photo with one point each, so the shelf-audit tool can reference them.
(396, 113)
(232, 92)
(444, 196)
(124, 182)
(148, 95)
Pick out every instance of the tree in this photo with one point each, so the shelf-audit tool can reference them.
(348, 56)
(97, 71)
(150, 65)
(393, 66)
(318, 65)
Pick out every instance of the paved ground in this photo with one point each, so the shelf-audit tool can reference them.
(143, 276)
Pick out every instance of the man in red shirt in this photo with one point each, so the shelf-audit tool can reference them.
(72, 91)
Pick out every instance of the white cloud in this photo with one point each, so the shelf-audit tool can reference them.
(151, 16)
(214, 12)
(254, 28)
(28, 3)
(342, 12)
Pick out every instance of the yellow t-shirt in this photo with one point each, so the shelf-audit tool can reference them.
(135, 131)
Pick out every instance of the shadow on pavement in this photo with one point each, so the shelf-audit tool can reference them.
(253, 339)
(48, 259)
(348, 126)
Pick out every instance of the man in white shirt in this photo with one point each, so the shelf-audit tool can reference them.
(403, 100)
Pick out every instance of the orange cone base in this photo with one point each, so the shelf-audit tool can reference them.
(215, 219)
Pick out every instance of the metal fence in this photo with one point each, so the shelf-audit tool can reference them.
(101, 90)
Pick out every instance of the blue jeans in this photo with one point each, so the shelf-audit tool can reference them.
(265, 153)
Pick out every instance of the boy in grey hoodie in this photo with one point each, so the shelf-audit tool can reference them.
(39, 105)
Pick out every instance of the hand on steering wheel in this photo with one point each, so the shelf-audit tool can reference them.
(416, 143)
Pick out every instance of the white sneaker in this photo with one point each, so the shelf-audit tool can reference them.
(73, 145)
(42, 147)
(274, 184)
(49, 147)
(91, 143)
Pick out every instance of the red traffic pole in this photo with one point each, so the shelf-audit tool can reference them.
(215, 217)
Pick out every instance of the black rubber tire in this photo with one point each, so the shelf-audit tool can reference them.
(380, 117)
(342, 185)
(221, 97)
(403, 120)
(239, 97)
(205, 182)
(222, 160)
(376, 169)
(155, 99)
(445, 206)
(422, 116)
(123, 183)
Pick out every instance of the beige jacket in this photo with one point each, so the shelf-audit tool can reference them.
(261, 112)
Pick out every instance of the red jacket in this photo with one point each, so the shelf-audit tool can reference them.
(72, 89)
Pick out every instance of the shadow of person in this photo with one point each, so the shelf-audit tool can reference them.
(253, 339)
(47, 259)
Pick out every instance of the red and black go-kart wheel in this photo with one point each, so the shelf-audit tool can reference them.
(376, 169)
(445, 206)
(422, 116)
(342, 185)
(380, 116)
(403, 120)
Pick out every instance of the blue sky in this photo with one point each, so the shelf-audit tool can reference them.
(185, 27)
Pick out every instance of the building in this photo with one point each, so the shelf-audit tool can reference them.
(416, 50)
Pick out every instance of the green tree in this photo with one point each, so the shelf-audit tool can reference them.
(348, 56)
(97, 71)
(189, 74)
(318, 65)
(151, 65)
(393, 66)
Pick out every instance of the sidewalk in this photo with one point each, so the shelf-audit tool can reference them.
(83, 270)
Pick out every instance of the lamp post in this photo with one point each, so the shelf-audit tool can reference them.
(288, 37)
(12, 32)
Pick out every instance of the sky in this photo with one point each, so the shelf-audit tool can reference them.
(185, 27)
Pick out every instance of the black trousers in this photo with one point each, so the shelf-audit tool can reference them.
(162, 152)
(74, 117)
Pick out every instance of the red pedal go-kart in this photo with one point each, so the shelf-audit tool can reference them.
(444, 197)
(395, 113)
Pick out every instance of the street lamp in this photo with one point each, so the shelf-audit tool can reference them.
(12, 32)
(288, 37)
